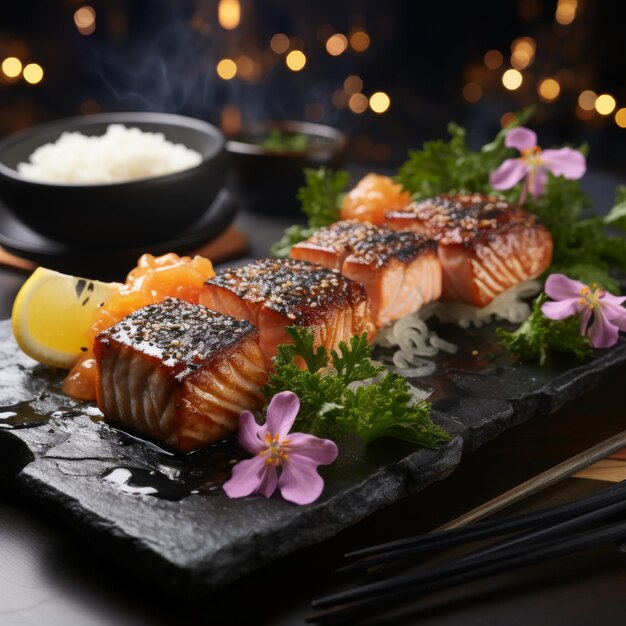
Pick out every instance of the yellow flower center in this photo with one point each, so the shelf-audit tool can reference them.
(532, 156)
(591, 298)
(275, 452)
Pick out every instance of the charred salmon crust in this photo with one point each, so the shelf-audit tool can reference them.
(275, 293)
(179, 373)
(400, 270)
(485, 244)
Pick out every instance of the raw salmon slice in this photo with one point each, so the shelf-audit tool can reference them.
(179, 373)
(273, 294)
(485, 244)
(400, 270)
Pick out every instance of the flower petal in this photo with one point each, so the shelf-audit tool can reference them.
(250, 433)
(560, 310)
(251, 476)
(281, 412)
(559, 287)
(508, 174)
(537, 180)
(521, 138)
(585, 316)
(614, 313)
(602, 333)
(299, 481)
(565, 162)
(322, 451)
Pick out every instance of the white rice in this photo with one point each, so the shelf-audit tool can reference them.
(416, 342)
(120, 154)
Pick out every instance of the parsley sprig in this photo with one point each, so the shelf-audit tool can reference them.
(538, 338)
(332, 402)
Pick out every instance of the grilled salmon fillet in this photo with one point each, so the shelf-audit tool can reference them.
(275, 293)
(179, 373)
(485, 244)
(400, 270)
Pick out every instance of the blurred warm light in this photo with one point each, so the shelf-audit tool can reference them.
(359, 40)
(353, 84)
(315, 112)
(295, 60)
(336, 44)
(245, 66)
(85, 20)
(605, 103)
(340, 99)
(549, 90)
(230, 119)
(358, 103)
(229, 14)
(33, 73)
(11, 67)
(585, 114)
(566, 11)
(507, 119)
(587, 100)
(512, 79)
(528, 44)
(279, 43)
(493, 59)
(379, 102)
(472, 92)
(226, 69)
(620, 118)
(520, 59)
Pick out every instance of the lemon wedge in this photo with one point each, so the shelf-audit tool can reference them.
(53, 311)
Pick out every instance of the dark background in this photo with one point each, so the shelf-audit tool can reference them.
(161, 55)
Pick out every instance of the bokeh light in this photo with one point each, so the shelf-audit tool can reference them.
(226, 69)
(493, 59)
(295, 60)
(358, 103)
(11, 67)
(587, 100)
(33, 73)
(336, 44)
(279, 43)
(229, 14)
(353, 84)
(472, 92)
(512, 79)
(620, 118)
(549, 90)
(605, 103)
(379, 102)
(566, 11)
(359, 40)
(85, 20)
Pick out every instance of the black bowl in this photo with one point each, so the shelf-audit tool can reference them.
(117, 214)
(267, 180)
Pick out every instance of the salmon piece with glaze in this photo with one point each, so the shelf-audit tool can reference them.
(400, 270)
(485, 244)
(179, 373)
(273, 294)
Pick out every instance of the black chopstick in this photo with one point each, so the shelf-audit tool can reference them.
(427, 543)
(523, 556)
(492, 553)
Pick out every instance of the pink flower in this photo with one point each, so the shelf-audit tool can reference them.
(534, 163)
(575, 298)
(296, 454)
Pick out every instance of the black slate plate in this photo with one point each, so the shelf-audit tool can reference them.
(113, 263)
(57, 452)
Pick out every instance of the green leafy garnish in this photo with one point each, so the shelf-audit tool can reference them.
(333, 405)
(280, 141)
(586, 248)
(320, 200)
(539, 337)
